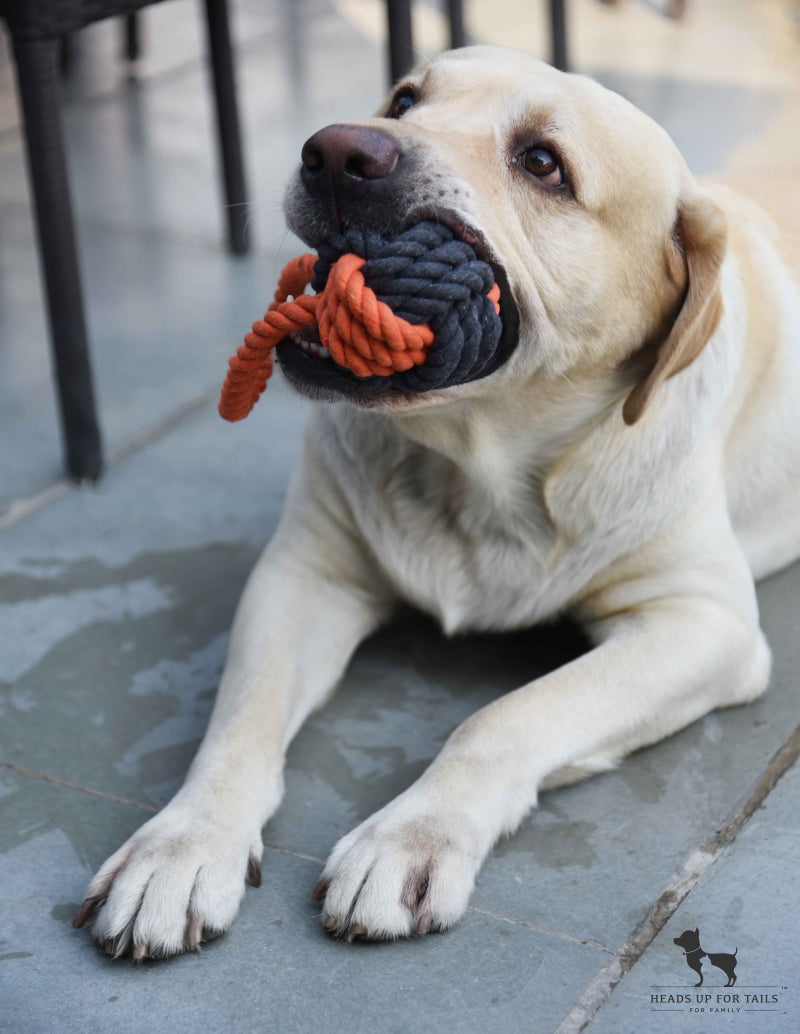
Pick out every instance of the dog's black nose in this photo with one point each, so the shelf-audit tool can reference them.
(350, 152)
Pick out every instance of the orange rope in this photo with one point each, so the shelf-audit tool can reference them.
(361, 332)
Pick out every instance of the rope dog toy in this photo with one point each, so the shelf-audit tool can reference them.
(420, 308)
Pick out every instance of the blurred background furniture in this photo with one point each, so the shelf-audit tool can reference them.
(37, 28)
(401, 49)
(40, 33)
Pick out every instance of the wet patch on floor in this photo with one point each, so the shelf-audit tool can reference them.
(120, 703)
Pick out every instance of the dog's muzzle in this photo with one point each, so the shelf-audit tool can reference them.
(427, 265)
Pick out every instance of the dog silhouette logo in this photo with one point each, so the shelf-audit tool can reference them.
(689, 941)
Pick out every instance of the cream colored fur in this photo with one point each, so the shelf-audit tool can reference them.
(498, 503)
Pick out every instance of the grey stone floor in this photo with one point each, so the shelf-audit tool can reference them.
(115, 603)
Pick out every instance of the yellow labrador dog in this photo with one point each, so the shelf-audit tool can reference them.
(632, 457)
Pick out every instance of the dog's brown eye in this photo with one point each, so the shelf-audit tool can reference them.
(543, 164)
(403, 100)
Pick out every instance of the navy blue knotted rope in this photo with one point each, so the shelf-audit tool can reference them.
(427, 275)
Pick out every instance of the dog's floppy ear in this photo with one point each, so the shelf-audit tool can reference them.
(699, 242)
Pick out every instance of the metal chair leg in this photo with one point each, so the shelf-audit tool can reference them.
(228, 130)
(37, 75)
(558, 26)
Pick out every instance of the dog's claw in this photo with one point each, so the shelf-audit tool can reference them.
(330, 922)
(86, 911)
(321, 889)
(423, 924)
(254, 872)
(356, 932)
(194, 931)
(139, 952)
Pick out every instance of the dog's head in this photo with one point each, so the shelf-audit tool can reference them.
(607, 254)
(688, 940)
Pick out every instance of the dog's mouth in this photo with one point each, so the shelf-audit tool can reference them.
(311, 370)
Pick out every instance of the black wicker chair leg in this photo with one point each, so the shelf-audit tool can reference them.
(37, 72)
(558, 27)
(401, 48)
(455, 15)
(66, 53)
(228, 130)
(133, 36)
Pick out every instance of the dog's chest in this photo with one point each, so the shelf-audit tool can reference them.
(472, 586)
(476, 552)
(472, 574)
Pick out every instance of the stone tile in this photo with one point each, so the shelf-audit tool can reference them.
(276, 968)
(746, 903)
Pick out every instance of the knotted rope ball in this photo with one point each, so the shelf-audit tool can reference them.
(420, 308)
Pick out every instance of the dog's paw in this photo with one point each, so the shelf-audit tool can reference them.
(397, 875)
(178, 881)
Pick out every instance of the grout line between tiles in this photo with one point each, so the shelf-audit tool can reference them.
(177, 416)
(695, 867)
(19, 509)
(294, 854)
(43, 777)
(587, 942)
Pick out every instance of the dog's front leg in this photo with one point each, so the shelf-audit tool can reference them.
(661, 661)
(180, 878)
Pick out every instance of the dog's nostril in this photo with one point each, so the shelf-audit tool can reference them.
(311, 157)
(358, 165)
(366, 165)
